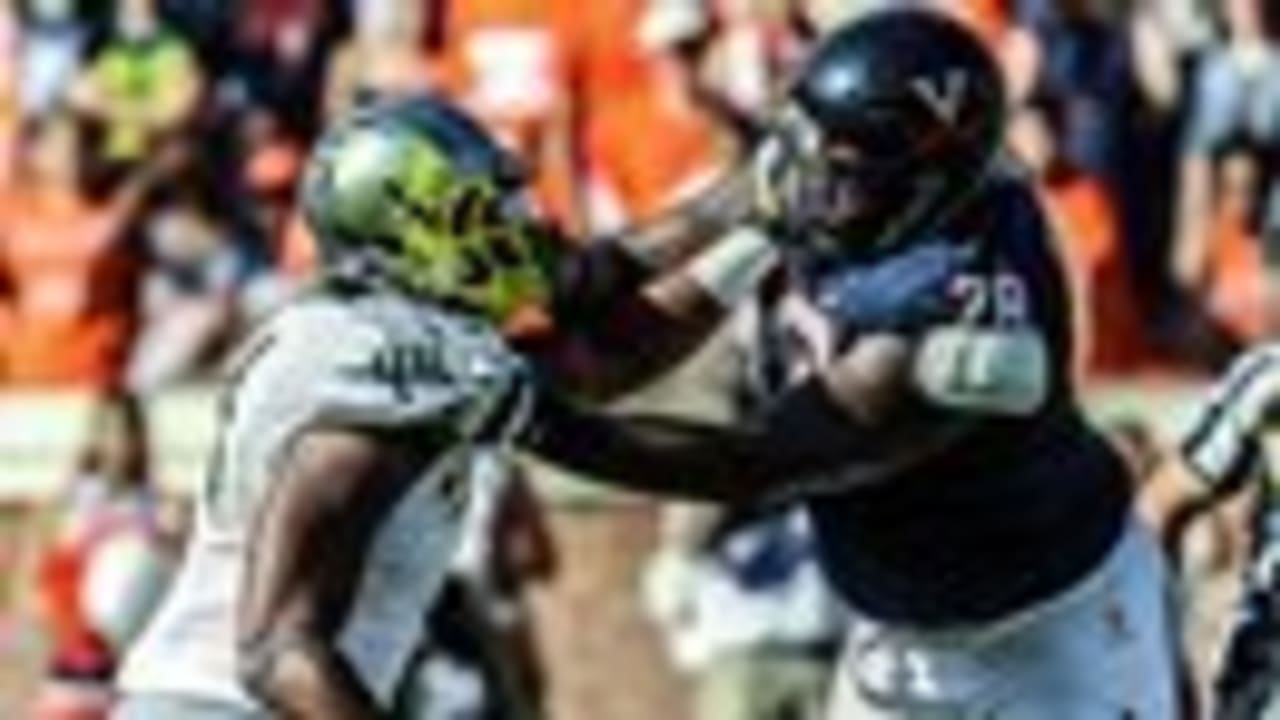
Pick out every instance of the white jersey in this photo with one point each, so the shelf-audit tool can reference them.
(379, 361)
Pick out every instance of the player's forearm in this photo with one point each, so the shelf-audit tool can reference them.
(638, 342)
(304, 678)
(675, 236)
(618, 267)
(805, 443)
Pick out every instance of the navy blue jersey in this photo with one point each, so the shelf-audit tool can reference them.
(1018, 510)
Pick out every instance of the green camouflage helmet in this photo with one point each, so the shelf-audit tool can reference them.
(415, 193)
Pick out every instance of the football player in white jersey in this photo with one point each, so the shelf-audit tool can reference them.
(332, 507)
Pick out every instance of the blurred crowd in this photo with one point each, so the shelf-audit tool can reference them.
(150, 149)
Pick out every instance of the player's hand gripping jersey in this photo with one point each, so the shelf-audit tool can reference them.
(379, 361)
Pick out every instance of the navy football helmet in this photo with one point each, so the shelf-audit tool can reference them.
(895, 119)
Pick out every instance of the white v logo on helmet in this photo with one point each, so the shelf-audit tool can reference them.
(944, 94)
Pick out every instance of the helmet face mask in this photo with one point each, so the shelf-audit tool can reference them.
(846, 193)
(417, 196)
(840, 188)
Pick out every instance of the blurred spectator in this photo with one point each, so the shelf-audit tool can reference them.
(1236, 285)
(11, 33)
(278, 52)
(53, 41)
(511, 63)
(141, 87)
(266, 107)
(1187, 25)
(1235, 101)
(1159, 49)
(736, 54)
(10, 106)
(385, 56)
(1001, 25)
(1084, 220)
(648, 138)
(1117, 81)
(750, 54)
(1162, 46)
(827, 14)
(201, 286)
(106, 566)
(209, 25)
(68, 277)
(262, 211)
(746, 612)
(991, 18)
(1084, 65)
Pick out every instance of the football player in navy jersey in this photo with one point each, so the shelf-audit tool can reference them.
(979, 529)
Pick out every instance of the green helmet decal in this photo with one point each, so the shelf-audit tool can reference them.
(431, 208)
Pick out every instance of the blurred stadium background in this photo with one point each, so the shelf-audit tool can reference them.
(148, 155)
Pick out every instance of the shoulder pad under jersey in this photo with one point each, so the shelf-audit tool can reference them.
(378, 363)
